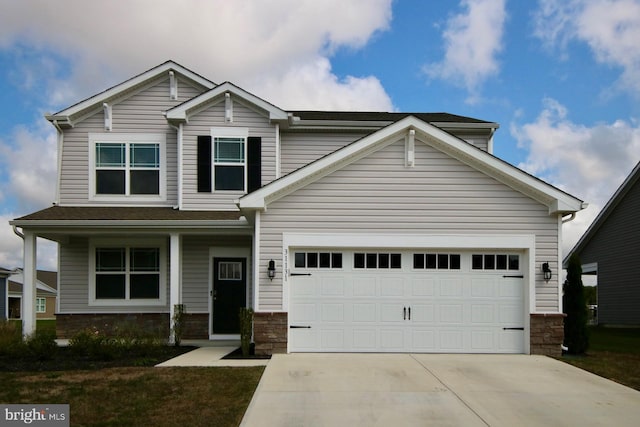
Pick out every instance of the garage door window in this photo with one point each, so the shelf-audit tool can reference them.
(377, 260)
(495, 262)
(433, 261)
(318, 260)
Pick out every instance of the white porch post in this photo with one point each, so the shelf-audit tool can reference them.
(29, 285)
(175, 279)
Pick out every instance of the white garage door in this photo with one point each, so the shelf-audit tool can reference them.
(405, 301)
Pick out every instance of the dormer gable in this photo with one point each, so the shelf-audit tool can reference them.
(226, 90)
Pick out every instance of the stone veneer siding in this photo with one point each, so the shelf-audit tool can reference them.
(270, 333)
(547, 334)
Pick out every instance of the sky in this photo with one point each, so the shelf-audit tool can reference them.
(561, 77)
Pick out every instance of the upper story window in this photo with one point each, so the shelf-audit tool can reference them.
(229, 163)
(229, 160)
(130, 166)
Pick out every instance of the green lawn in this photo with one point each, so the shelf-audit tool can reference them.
(613, 353)
(47, 324)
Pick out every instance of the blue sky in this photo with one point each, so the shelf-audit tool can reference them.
(561, 77)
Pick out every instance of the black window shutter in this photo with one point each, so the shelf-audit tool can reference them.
(254, 163)
(204, 164)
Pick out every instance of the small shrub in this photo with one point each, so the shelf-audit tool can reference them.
(10, 338)
(42, 344)
(89, 343)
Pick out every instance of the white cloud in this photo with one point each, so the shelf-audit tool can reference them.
(611, 29)
(588, 162)
(472, 41)
(11, 248)
(106, 42)
(29, 160)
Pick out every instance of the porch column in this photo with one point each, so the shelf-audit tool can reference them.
(29, 285)
(175, 279)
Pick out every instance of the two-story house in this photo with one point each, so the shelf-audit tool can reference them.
(345, 231)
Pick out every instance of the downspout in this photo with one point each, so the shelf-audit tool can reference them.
(572, 216)
(17, 233)
(60, 143)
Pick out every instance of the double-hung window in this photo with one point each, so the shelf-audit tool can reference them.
(228, 159)
(127, 274)
(127, 165)
(41, 305)
(229, 162)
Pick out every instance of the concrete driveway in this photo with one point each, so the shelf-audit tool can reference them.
(445, 390)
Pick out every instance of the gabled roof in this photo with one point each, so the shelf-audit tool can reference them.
(46, 281)
(72, 113)
(606, 211)
(181, 112)
(557, 200)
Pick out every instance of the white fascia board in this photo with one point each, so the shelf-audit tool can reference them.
(57, 225)
(556, 200)
(181, 112)
(98, 99)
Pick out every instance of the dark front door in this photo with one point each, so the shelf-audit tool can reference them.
(229, 294)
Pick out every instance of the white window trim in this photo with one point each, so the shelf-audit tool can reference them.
(228, 132)
(44, 305)
(128, 243)
(152, 138)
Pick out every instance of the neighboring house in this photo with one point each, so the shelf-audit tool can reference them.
(345, 231)
(610, 248)
(4, 301)
(46, 294)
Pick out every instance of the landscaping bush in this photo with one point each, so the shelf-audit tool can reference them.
(125, 340)
(10, 338)
(42, 345)
(576, 334)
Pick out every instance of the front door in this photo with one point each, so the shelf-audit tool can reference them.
(229, 294)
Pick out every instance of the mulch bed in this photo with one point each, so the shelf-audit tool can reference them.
(64, 359)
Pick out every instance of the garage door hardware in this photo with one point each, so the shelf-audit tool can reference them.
(513, 329)
(404, 313)
(299, 327)
(515, 277)
(299, 274)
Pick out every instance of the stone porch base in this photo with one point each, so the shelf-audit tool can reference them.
(547, 334)
(270, 332)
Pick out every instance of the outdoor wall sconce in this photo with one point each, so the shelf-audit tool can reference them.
(271, 269)
(546, 270)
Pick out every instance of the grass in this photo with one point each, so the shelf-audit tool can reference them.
(112, 382)
(613, 353)
(140, 396)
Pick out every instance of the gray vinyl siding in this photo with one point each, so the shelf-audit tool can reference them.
(439, 195)
(298, 149)
(196, 268)
(73, 287)
(139, 113)
(201, 124)
(3, 297)
(615, 247)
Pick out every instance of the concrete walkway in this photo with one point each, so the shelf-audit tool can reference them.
(210, 355)
(444, 390)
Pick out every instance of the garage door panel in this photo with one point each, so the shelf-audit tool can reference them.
(365, 286)
(333, 286)
(391, 286)
(422, 287)
(483, 313)
(333, 312)
(364, 313)
(406, 309)
(450, 313)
